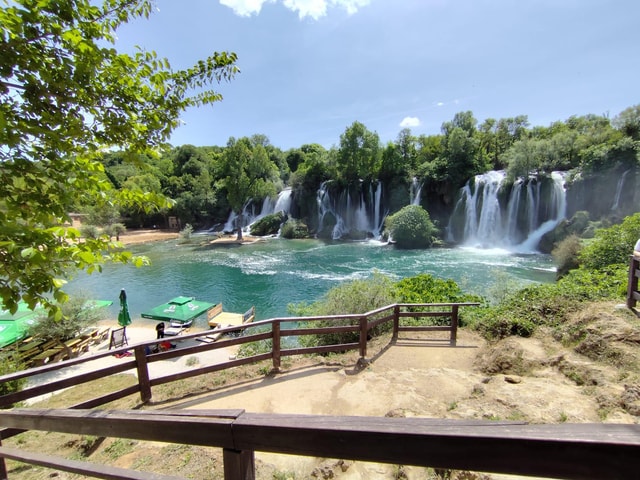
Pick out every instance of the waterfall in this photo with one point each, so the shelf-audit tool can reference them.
(356, 211)
(283, 204)
(415, 191)
(616, 198)
(515, 219)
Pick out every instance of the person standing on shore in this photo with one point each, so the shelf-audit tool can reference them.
(160, 330)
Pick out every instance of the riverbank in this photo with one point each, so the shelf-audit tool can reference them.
(142, 236)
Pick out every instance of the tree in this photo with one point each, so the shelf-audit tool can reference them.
(358, 155)
(66, 95)
(246, 174)
(411, 227)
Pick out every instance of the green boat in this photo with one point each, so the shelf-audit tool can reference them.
(16, 327)
(179, 311)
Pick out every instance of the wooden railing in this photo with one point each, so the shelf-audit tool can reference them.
(559, 451)
(633, 295)
(571, 451)
(275, 330)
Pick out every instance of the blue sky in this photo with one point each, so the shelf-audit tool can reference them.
(310, 68)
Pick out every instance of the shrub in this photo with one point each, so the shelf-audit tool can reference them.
(90, 232)
(267, 225)
(355, 297)
(566, 255)
(549, 304)
(411, 227)
(612, 245)
(186, 232)
(75, 317)
(294, 229)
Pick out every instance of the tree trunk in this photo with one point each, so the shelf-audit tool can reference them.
(239, 226)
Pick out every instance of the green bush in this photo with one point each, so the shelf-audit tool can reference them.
(566, 255)
(612, 245)
(75, 317)
(411, 227)
(521, 312)
(267, 225)
(355, 297)
(294, 229)
(90, 232)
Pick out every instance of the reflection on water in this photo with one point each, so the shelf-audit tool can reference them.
(277, 272)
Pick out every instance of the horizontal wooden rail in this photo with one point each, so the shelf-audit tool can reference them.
(569, 451)
(273, 329)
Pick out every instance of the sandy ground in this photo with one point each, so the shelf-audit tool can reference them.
(136, 335)
(144, 236)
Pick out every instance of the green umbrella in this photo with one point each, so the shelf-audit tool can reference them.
(124, 318)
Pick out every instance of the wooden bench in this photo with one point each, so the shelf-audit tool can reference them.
(228, 318)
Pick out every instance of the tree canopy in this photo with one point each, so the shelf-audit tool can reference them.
(66, 96)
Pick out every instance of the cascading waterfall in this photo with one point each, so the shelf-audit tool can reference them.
(354, 212)
(616, 198)
(415, 192)
(282, 203)
(516, 219)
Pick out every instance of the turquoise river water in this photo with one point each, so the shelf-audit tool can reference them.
(277, 272)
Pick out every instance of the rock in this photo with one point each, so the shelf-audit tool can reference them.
(513, 379)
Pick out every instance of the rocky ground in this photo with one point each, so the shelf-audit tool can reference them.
(588, 370)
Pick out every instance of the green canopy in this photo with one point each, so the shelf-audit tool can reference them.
(15, 327)
(179, 309)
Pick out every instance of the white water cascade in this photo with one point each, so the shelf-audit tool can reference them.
(415, 192)
(616, 198)
(488, 215)
(282, 203)
(353, 212)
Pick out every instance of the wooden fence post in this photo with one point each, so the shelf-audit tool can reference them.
(363, 337)
(239, 464)
(143, 374)
(632, 284)
(3, 467)
(396, 322)
(276, 347)
(454, 326)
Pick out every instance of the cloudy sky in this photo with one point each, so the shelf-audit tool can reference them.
(310, 68)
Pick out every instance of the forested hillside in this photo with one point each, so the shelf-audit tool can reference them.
(348, 190)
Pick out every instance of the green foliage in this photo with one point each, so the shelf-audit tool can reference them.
(425, 288)
(9, 364)
(411, 227)
(76, 315)
(358, 154)
(90, 231)
(247, 173)
(521, 312)
(186, 232)
(66, 95)
(612, 245)
(566, 255)
(293, 228)
(267, 225)
(355, 297)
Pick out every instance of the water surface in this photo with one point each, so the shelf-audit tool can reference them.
(276, 272)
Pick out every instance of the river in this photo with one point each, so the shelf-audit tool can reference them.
(276, 272)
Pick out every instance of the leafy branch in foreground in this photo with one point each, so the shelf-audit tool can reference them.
(66, 96)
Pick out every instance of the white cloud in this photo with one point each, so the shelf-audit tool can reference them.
(408, 122)
(314, 9)
(440, 104)
(244, 8)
